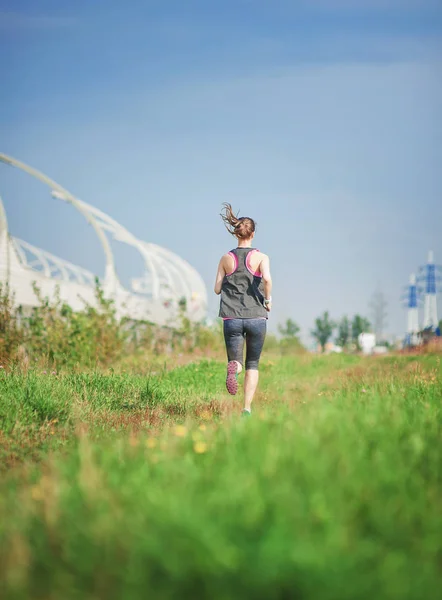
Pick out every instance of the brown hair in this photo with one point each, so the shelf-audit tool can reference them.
(241, 227)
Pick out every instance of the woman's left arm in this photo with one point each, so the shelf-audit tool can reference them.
(220, 277)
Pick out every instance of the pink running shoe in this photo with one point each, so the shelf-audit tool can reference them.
(232, 377)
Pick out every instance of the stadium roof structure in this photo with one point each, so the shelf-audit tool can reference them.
(166, 283)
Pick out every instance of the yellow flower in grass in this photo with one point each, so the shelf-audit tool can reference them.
(180, 431)
(151, 442)
(200, 447)
(37, 492)
(202, 427)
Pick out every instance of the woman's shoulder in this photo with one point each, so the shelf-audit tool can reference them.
(258, 258)
(227, 258)
(227, 255)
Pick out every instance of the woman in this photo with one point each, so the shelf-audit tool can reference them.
(245, 285)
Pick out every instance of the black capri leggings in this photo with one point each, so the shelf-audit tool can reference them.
(253, 331)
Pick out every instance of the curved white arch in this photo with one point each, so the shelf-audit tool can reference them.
(121, 234)
(159, 261)
(190, 278)
(4, 239)
(3, 220)
(68, 271)
(111, 278)
(167, 276)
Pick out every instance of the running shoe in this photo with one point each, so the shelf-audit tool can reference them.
(232, 377)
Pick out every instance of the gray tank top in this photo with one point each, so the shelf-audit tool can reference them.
(242, 291)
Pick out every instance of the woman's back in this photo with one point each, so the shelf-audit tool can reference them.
(255, 259)
(242, 293)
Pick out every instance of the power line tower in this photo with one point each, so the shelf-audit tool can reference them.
(430, 276)
(411, 299)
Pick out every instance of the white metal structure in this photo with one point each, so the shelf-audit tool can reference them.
(155, 296)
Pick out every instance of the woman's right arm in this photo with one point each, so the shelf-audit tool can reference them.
(267, 279)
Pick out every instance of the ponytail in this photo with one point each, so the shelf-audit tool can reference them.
(242, 227)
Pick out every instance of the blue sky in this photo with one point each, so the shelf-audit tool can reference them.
(320, 119)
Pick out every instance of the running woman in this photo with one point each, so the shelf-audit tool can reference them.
(244, 282)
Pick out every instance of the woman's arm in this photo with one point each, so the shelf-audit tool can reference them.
(220, 277)
(264, 267)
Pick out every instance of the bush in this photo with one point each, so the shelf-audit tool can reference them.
(11, 334)
(58, 336)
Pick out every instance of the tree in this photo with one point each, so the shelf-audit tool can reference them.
(378, 307)
(290, 330)
(290, 343)
(344, 332)
(324, 329)
(358, 326)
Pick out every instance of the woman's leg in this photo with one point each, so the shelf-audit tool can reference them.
(234, 339)
(255, 330)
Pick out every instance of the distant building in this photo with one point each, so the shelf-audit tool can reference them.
(330, 348)
(367, 342)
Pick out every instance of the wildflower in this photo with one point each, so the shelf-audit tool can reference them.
(202, 427)
(364, 391)
(200, 447)
(180, 431)
(37, 492)
(44, 372)
(54, 373)
(151, 442)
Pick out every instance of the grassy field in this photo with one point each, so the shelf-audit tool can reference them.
(118, 485)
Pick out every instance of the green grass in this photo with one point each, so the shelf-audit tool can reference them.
(134, 487)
